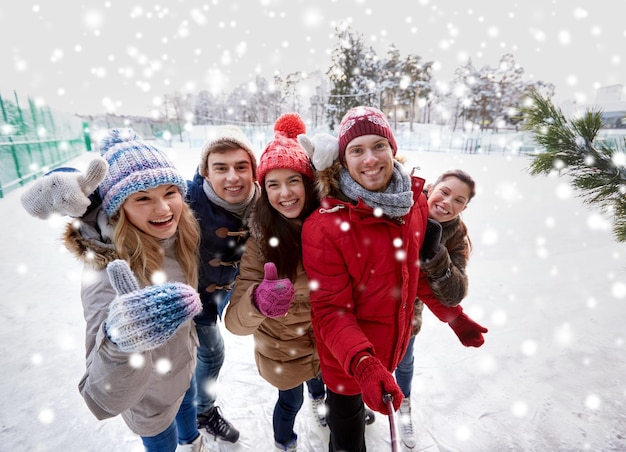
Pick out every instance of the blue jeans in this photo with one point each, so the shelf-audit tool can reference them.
(183, 429)
(404, 371)
(210, 360)
(287, 406)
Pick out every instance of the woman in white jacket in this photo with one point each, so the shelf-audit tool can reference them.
(140, 267)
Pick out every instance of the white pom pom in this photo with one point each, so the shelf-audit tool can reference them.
(323, 149)
(117, 136)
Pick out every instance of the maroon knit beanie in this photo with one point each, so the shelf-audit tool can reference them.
(284, 151)
(360, 121)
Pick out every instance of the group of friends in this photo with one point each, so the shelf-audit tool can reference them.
(325, 250)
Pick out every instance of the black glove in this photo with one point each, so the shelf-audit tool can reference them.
(432, 240)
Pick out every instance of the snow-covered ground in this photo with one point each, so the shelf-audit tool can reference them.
(546, 277)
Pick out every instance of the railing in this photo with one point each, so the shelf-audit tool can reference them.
(35, 140)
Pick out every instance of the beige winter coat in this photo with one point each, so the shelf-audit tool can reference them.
(284, 347)
(146, 396)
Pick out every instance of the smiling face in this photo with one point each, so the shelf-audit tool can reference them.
(448, 199)
(369, 160)
(155, 211)
(285, 191)
(230, 174)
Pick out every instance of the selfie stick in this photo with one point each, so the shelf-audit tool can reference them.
(393, 424)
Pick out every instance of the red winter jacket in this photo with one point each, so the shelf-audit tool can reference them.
(363, 271)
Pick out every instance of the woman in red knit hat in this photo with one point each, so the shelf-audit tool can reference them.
(277, 311)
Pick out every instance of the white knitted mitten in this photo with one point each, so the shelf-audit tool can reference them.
(64, 191)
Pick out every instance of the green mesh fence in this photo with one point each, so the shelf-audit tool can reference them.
(34, 139)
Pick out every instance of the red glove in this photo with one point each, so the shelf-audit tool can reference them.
(376, 381)
(469, 332)
(273, 296)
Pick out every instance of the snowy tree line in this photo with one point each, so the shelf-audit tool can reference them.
(403, 86)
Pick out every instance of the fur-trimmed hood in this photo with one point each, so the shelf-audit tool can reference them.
(89, 240)
(255, 233)
(328, 182)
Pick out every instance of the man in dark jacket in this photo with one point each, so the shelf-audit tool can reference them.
(221, 195)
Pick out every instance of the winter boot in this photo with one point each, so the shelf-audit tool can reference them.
(318, 406)
(196, 446)
(370, 417)
(291, 446)
(216, 426)
(407, 432)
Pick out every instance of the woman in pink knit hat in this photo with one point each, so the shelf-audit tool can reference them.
(271, 295)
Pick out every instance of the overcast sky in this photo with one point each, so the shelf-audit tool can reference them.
(123, 56)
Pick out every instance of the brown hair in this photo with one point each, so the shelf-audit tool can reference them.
(463, 177)
(222, 146)
(466, 179)
(144, 253)
(288, 253)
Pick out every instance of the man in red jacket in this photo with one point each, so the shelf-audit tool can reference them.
(361, 254)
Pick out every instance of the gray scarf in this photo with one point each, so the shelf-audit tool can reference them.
(395, 201)
(241, 209)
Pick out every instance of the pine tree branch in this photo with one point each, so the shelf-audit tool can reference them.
(595, 172)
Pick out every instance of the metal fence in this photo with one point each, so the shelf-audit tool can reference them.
(34, 139)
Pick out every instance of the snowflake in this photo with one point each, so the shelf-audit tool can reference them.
(529, 347)
(490, 237)
(519, 409)
(592, 402)
(618, 290)
(158, 277)
(46, 416)
(136, 360)
(463, 433)
(163, 366)
(564, 335)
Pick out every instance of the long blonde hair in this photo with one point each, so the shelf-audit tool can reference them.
(144, 253)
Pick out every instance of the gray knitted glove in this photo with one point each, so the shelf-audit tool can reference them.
(140, 320)
(64, 192)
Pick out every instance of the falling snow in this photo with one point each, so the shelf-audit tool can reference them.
(122, 57)
(548, 283)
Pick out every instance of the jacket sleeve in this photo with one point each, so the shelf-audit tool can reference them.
(442, 312)
(113, 382)
(445, 272)
(242, 317)
(332, 305)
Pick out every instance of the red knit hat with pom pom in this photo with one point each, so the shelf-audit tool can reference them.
(284, 151)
